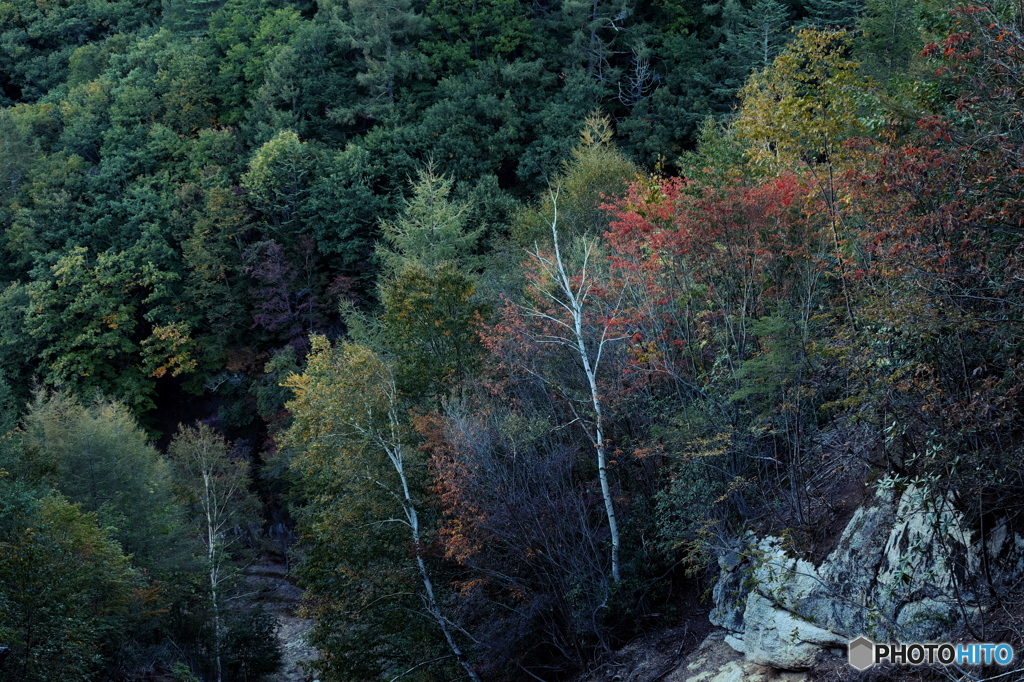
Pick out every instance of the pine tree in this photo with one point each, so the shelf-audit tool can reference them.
(891, 37)
(384, 33)
(430, 305)
(473, 31)
(832, 13)
(752, 39)
(432, 228)
(764, 32)
(189, 18)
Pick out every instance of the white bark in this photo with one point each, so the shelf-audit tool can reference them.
(210, 509)
(572, 298)
(391, 443)
(220, 494)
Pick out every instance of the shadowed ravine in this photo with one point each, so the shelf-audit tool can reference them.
(269, 581)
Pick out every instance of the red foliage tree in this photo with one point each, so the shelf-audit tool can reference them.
(701, 263)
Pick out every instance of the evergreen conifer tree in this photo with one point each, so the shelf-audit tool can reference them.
(431, 230)
(832, 13)
(189, 18)
(384, 33)
(753, 38)
(891, 37)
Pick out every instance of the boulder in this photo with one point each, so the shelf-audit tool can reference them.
(716, 661)
(730, 592)
(907, 568)
(781, 639)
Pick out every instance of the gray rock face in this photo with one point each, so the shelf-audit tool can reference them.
(730, 592)
(715, 661)
(906, 569)
(781, 638)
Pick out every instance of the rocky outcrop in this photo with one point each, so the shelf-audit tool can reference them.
(271, 588)
(716, 661)
(906, 568)
(659, 657)
(768, 602)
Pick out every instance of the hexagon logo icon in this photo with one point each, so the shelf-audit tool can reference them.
(862, 653)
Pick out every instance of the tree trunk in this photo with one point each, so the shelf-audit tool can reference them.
(394, 452)
(575, 309)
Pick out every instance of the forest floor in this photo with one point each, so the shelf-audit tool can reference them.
(269, 578)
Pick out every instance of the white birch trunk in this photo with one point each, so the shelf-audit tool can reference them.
(393, 447)
(572, 299)
(209, 506)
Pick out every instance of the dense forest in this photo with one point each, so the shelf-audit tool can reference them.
(494, 317)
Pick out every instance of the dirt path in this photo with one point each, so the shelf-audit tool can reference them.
(269, 579)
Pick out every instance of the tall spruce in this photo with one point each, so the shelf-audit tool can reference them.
(432, 228)
(751, 38)
(832, 13)
(891, 38)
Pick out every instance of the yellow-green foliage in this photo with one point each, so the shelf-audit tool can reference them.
(802, 107)
(97, 455)
(340, 412)
(430, 324)
(596, 170)
(431, 230)
(278, 176)
(103, 322)
(65, 587)
(346, 435)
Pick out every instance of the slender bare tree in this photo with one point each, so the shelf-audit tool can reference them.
(571, 319)
(216, 486)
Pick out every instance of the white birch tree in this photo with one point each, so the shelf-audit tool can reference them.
(352, 450)
(214, 485)
(571, 316)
